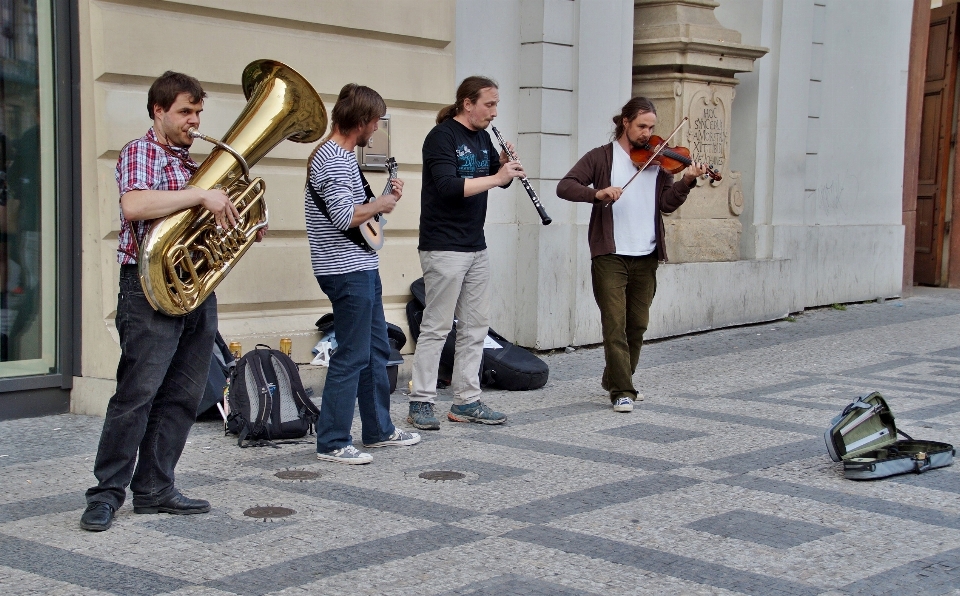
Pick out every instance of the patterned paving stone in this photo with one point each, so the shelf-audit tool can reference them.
(214, 527)
(485, 471)
(567, 498)
(767, 457)
(762, 529)
(575, 451)
(596, 497)
(653, 433)
(936, 574)
(517, 585)
(906, 511)
(660, 562)
(782, 425)
(309, 568)
(82, 570)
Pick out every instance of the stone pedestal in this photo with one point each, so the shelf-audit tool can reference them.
(685, 61)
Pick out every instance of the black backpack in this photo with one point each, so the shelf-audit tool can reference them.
(267, 400)
(508, 367)
(221, 365)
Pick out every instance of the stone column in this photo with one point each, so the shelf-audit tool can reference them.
(684, 60)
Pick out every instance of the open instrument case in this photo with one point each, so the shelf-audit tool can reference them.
(864, 438)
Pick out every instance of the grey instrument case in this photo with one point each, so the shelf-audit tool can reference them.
(864, 438)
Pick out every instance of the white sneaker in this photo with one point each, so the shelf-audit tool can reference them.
(346, 455)
(400, 438)
(623, 404)
(639, 397)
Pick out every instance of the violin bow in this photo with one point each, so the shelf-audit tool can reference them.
(662, 146)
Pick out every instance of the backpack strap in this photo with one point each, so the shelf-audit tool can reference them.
(352, 234)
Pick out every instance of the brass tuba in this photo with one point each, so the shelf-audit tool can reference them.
(185, 254)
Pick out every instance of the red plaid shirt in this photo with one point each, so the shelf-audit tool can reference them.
(145, 164)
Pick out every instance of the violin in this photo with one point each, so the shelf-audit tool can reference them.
(670, 159)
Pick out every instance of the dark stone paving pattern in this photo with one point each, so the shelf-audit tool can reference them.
(576, 451)
(936, 574)
(369, 497)
(485, 471)
(782, 425)
(762, 529)
(766, 458)
(650, 559)
(215, 527)
(905, 511)
(597, 497)
(310, 568)
(515, 585)
(562, 526)
(653, 433)
(88, 572)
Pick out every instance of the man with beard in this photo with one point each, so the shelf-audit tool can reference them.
(459, 166)
(164, 360)
(348, 272)
(626, 238)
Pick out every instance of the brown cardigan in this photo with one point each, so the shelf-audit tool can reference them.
(593, 169)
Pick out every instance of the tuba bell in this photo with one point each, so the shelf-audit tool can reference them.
(185, 254)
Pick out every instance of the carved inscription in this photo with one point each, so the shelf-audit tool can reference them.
(708, 137)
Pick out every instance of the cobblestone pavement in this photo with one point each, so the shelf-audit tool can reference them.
(718, 483)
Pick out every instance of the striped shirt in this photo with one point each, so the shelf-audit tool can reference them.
(145, 164)
(335, 176)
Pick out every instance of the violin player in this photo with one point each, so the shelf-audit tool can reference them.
(625, 235)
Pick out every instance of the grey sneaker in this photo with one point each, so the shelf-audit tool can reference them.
(400, 438)
(346, 455)
(623, 404)
(475, 412)
(422, 416)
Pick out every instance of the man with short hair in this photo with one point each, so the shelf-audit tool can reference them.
(626, 238)
(164, 360)
(460, 165)
(348, 272)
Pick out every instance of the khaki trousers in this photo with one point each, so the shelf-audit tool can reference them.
(624, 287)
(457, 285)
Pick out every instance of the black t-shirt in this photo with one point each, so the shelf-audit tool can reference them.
(448, 220)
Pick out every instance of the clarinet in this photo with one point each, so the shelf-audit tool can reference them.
(526, 183)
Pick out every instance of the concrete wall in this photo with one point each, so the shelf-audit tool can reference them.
(402, 48)
(816, 130)
(812, 131)
(815, 135)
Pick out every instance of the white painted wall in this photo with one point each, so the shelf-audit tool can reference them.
(814, 133)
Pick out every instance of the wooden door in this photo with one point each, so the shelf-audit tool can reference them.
(935, 142)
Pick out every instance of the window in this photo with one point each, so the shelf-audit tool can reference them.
(28, 231)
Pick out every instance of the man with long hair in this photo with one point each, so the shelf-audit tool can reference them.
(460, 165)
(626, 238)
(336, 204)
(164, 360)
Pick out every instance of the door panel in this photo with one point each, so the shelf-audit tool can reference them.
(935, 145)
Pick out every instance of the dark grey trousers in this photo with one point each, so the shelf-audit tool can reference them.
(163, 369)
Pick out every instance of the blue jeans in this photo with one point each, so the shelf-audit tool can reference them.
(358, 368)
(162, 373)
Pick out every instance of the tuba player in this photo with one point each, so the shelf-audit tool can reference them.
(164, 360)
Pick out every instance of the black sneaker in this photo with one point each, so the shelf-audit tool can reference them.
(422, 416)
(97, 517)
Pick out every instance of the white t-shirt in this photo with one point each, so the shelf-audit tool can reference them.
(634, 213)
